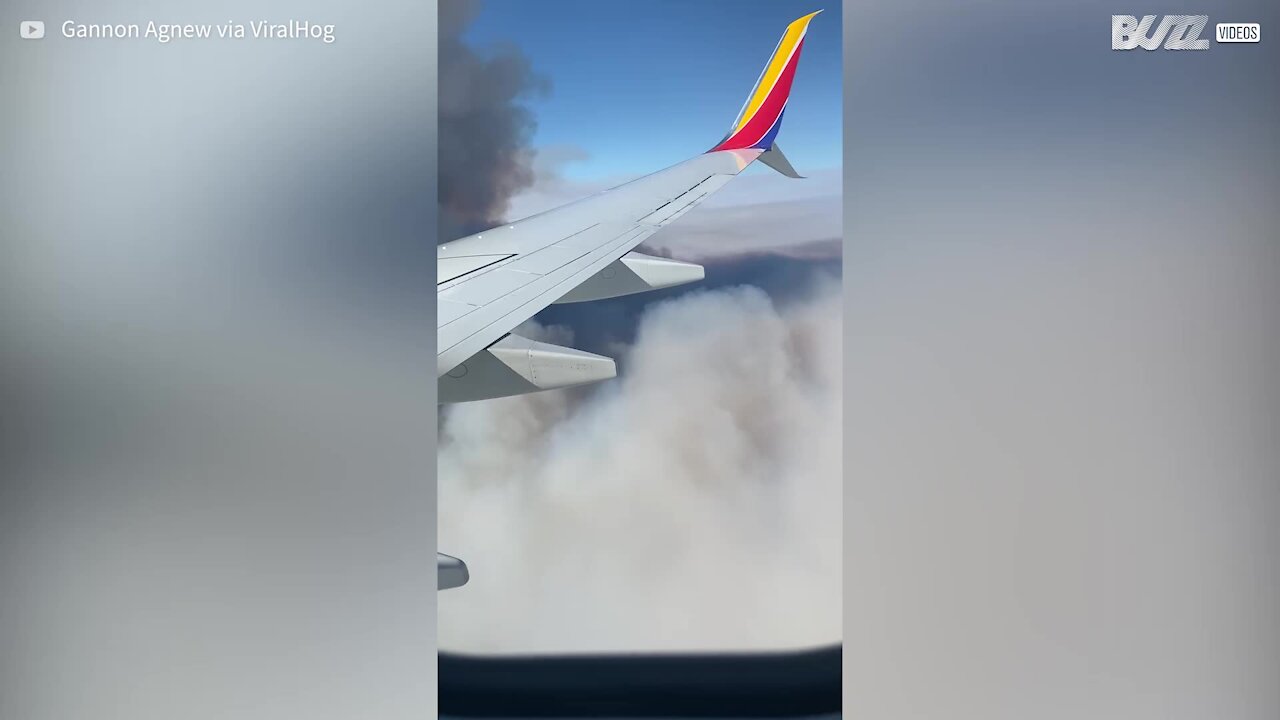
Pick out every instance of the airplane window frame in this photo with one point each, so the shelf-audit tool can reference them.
(733, 684)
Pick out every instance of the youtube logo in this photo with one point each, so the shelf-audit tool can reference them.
(31, 29)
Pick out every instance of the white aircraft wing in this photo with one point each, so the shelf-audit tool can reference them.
(490, 282)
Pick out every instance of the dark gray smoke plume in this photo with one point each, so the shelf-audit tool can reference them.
(485, 155)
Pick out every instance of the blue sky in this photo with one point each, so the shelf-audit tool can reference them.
(640, 86)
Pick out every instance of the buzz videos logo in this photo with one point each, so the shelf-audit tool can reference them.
(1176, 32)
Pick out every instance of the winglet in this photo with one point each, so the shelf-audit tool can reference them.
(761, 115)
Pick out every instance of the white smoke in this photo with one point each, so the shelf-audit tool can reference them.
(693, 503)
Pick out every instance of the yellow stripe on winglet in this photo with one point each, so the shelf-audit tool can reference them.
(795, 31)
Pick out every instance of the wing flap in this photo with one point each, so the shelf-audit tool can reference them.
(487, 287)
(548, 259)
(592, 237)
(452, 268)
(447, 312)
(686, 200)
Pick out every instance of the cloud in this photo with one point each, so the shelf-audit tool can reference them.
(692, 503)
(793, 228)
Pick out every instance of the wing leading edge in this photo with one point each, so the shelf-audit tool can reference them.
(490, 282)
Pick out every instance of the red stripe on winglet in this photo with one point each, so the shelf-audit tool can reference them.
(769, 110)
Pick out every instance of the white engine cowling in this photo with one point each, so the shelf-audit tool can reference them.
(515, 365)
(634, 273)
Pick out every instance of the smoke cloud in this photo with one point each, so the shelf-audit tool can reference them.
(484, 144)
(693, 503)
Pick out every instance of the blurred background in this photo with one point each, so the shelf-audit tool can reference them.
(1062, 273)
(216, 495)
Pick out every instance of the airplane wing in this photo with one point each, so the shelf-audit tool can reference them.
(490, 282)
